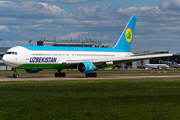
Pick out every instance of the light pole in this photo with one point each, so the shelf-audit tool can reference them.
(30, 42)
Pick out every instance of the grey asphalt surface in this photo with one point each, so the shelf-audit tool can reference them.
(84, 78)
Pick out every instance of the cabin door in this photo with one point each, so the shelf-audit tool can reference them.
(26, 55)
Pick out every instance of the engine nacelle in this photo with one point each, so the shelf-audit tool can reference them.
(32, 71)
(86, 67)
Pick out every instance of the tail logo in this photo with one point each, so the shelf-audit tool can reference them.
(128, 35)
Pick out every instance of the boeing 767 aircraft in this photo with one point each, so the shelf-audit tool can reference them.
(85, 59)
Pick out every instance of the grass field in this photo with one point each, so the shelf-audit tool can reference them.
(137, 99)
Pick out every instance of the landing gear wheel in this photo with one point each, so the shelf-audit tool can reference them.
(56, 74)
(15, 76)
(91, 74)
(59, 74)
(63, 74)
(87, 75)
(94, 74)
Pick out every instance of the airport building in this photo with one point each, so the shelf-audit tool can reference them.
(75, 43)
(2, 65)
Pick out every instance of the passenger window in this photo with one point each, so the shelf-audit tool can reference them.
(15, 53)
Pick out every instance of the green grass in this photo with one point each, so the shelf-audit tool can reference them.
(138, 99)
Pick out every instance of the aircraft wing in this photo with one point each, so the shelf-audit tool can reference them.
(118, 60)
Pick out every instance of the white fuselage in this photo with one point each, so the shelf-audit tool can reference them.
(26, 56)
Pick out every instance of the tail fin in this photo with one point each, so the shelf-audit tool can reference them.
(174, 63)
(124, 42)
(142, 63)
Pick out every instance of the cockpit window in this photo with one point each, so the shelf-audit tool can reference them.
(14, 53)
(8, 53)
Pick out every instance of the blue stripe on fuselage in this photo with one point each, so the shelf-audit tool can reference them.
(59, 48)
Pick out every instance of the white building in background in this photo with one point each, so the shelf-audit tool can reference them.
(2, 65)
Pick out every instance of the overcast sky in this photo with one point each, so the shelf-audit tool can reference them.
(157, 27)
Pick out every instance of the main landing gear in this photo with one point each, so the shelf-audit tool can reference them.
(15, 74)
(91, 74)
(60, 74)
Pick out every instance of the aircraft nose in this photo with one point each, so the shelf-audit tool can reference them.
(5, 59)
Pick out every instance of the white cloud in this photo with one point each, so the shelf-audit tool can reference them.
(173, 4)
(62, 1)
(51, 9)
(30, 10)
(4, 28)
(73, 35)
(21, 21)
(105, 37)
(95, 12)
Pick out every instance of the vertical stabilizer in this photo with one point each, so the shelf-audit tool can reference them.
(125, 40)
(142, 63)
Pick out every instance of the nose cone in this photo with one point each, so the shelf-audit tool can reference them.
(5, 59)
(8, 60)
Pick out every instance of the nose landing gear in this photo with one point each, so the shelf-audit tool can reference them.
(15, 75)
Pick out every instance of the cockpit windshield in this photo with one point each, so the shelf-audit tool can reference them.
(14, 53)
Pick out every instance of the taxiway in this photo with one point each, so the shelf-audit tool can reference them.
(84, 78)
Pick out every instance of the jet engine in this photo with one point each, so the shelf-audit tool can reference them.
(32, 71)
(86, 67)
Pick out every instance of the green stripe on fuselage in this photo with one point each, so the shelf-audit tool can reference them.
(45, 66)
(52, 66)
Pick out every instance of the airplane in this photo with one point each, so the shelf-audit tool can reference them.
(174, 64)
(154, 66)
(85, 59)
